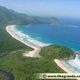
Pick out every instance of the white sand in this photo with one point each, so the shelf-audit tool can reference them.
(31, 43)
(64, 66)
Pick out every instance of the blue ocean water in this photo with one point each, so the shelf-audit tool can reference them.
(64, 35)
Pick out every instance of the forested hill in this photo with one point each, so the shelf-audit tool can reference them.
(9, 16)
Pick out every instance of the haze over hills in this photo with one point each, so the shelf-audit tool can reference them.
(9, 16)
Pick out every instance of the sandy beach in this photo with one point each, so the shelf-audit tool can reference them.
(65, 67)
(19, 36)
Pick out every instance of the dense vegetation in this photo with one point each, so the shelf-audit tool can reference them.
(22, 68)
(59, 52)
(7, 43)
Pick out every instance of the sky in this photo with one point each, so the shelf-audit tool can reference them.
(65, 8)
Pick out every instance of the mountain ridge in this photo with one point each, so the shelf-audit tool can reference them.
(10, 17)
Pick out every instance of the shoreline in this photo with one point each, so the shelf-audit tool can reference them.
(35, 45)
(18, 36)
(65, 67)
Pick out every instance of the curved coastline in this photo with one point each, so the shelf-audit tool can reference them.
(20, 37)
(11, 29)
(65, 67)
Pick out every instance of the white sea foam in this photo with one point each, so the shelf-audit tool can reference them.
(75, 63)
(27, 37)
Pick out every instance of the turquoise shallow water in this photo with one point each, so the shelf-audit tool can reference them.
(61, 35)
(68, 36)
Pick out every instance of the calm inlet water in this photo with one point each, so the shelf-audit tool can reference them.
(65, 35)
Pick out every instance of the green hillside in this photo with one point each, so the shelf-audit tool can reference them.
(8, 16)
(24, 68)
(57, 52)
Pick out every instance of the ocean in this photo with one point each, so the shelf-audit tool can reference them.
(60, 35)
(64, 35)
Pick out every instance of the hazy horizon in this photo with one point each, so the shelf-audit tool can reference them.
(58, 8)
